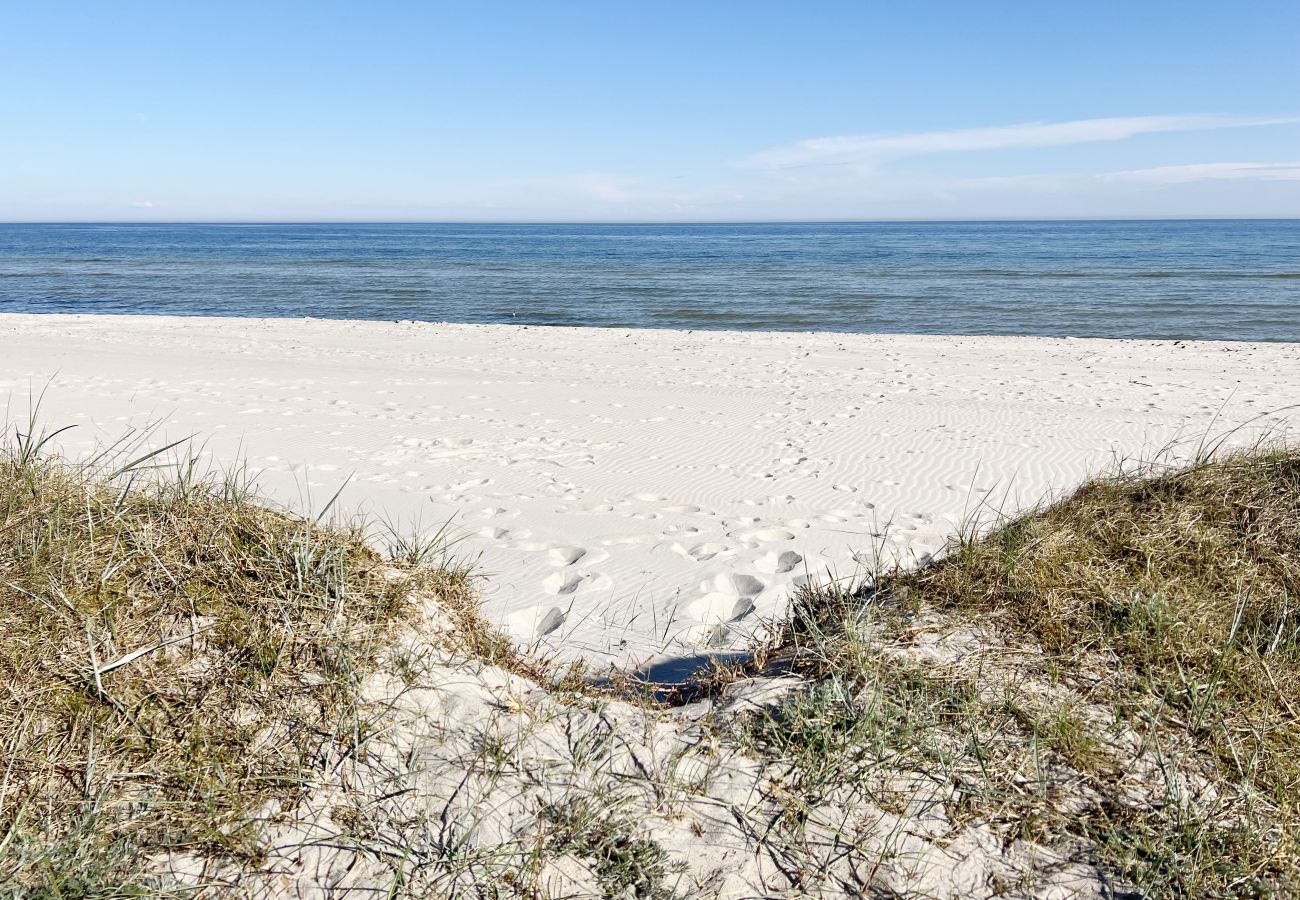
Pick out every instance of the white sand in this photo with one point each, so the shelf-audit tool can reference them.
(639, 495)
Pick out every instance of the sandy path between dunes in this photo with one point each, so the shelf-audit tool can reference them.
(641, 495)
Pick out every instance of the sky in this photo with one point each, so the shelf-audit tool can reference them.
(666, 111)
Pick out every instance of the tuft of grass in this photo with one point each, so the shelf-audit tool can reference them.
(623, 862)
(175, 655)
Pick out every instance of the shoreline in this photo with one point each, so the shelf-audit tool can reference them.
(642, 495)
(600, 328)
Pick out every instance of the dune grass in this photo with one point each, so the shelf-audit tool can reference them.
(1177, 594)
(1131, 692)
(175, 654)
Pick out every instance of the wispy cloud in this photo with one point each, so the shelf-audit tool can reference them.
(869, 150)
(603, 187)
(142, 204)
(1224, 171)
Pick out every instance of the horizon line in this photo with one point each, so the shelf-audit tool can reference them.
(641, 222)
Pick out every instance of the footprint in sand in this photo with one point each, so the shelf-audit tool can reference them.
(565, 556)
(472, 482)
(778, 563)
(562, 582)
(718, 635)
(675, 530)
(631, 540)
(765, 535)
(735, 584)
(536, 622)
(551, 620)
(719, 608)
(704, 552)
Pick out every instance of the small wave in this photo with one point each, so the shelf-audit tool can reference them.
(1227, 274)
(1016, 273)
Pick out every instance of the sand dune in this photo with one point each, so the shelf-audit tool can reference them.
(642, 495)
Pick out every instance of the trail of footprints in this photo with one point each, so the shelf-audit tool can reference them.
(747, 565)
(746, 560)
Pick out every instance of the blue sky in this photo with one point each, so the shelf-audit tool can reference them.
(655, 111)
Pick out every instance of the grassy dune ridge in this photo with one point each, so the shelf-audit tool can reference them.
(175, 654)
(1117, 671)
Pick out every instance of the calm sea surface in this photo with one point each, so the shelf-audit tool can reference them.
(1237, 280)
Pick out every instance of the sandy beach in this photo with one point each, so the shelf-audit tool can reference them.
(640, 497)
(650, 453)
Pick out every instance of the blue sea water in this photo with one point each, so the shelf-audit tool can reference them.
(1227, 280)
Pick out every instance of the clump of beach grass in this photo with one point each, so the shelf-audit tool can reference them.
(622, 861)
(1114, 674)
(176, 653)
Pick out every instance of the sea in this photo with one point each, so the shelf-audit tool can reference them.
(1213, 279)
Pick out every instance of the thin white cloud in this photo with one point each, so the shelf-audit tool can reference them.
(1226, 171)
(603, 187)
(868, 150)
(142, 204)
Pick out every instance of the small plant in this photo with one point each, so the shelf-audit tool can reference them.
(623, 863)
